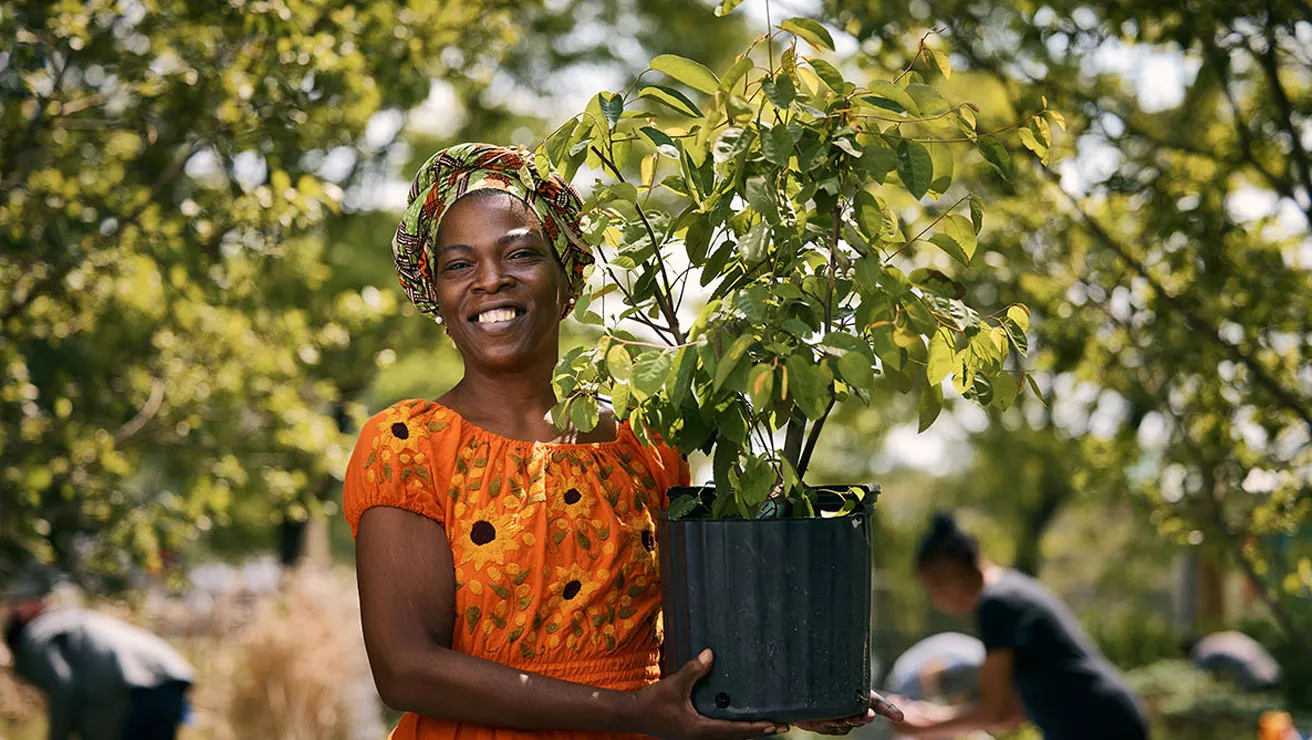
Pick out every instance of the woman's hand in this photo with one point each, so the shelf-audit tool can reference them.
(879, 707)
(665, 709)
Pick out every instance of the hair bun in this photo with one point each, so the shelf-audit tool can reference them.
(943, 523)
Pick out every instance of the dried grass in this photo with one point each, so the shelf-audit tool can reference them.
(285, 667)
(295, 672)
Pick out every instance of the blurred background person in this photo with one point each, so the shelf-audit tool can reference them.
(942, 668)
(103, 679)
(1038, 662)
(1237, 657)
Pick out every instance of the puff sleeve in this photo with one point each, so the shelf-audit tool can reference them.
(396, 462)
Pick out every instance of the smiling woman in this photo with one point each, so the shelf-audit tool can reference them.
(508, 575)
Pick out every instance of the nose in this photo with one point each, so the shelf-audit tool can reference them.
(491, 277)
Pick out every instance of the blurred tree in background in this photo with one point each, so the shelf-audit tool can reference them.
(172, 352)
(1168, 268)
(195, 283)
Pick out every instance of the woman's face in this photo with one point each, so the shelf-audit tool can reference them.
(500, 289)
(952, 587)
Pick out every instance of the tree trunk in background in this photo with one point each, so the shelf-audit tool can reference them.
(1209, 593)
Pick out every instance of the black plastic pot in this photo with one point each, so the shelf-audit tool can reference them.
(784, 604)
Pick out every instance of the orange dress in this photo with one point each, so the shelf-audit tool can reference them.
(554, 546)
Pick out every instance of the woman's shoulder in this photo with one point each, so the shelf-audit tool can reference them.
(412, 418)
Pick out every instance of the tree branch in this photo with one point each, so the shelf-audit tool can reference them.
(1287, 398)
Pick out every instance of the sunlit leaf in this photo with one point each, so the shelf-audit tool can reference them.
(693, 74)
(815, 34)
(673, 99)
(660, 140)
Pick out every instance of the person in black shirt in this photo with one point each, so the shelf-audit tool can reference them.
(1038, 663)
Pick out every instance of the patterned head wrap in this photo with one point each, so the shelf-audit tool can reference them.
(461, 169)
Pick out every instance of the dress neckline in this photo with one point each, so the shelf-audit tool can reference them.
(621, 429)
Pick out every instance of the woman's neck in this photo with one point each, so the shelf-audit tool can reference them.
(516, 403)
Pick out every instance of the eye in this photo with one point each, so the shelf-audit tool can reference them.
(455, 264)
(521, 254)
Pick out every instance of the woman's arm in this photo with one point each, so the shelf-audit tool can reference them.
(997, 704)
(407, 608)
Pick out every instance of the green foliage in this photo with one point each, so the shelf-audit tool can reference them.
(780, 189)
(178, 355)
(1186, 702)
(1165, 301)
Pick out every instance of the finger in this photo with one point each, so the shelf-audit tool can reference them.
(717, 729)
(693, 671)
(885, 708)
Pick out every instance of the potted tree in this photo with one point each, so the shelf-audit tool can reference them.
(776, 195)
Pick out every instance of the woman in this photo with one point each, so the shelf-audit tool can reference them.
(507, 574)
(1038, 662)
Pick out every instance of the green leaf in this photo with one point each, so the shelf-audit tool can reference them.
(778, 144)
(815, 34)
(966, 121)
(996, 155)
(941, 356)
(1034, 386)
(1019, 314)
(857, 370)
(942, 62)
(1032, 143)
(584, 413)
(693, 74)
(829, 74)
(760, 195)
(931, 403)
(1057, 119)
(756, 481)
(660, 140)
(883, 91)
(1005, 391)
(752, 245)
(619, 399)
(612, 107)
(675, 100)
(649, 373)
(594, 115)
(869, 216)
(726, 7)
(928, 100)
(760, 387)
(618, 362)
(681, 506)
(956, 237)
(915, 167)
(736, 73)
(681, 385)
(878, 159)
(729, 361)
(943, 165)
(780, 90)
(977, 212)
(807, 386)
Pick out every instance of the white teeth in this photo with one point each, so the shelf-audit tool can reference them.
(496, 316)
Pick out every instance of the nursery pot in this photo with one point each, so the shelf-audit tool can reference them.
(783, 603)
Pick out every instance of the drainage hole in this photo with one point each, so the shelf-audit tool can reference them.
(722, 700)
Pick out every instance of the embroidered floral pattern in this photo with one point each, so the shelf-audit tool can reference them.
(553, 546)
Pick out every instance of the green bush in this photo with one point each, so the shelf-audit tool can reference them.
(1187, 703)
(1295, 663)
(1132, 640)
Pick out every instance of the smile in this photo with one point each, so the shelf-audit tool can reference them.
(501, 315)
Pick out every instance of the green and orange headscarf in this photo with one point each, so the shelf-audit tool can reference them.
(463, 168)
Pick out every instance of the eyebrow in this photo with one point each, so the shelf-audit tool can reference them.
(510, 236)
